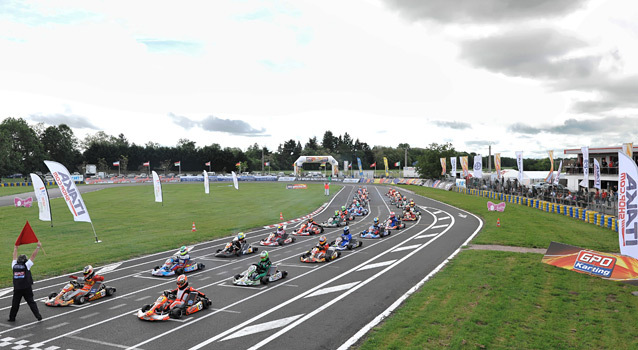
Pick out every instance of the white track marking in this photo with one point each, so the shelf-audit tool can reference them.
(439, 226)
(89, 315)
(350, 342)
(142, 298)
(229, 311)
(462, 216)
(116, 306)
(6, 341)
(108, 268)
(248, 288)
(382, 199)
(444, 218)
(58, 325)
(332, 289)
(375, 265)
(97, 341)
(263, 327)
(406, 248)
(5, 291)
(427, 236)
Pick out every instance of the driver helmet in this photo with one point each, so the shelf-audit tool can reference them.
(357, 204)
(336, 212)
(88, 272)
(241, 236)
(310, 220)
(376, 221)
(263, 256)
(346, 230)
(182, 282)
(322, 240)
(280, 227)
(343, 207)
(392, 214)
(183, 251)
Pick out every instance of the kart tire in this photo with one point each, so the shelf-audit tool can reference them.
(53, 295)
(80, 299)
(156, 267)
(339, 224)
(293, 239)
(110, 291)
(280, 241)
(320, 229)
(360, 244)
(206, 303)
(176, 313)
(200, 266)
(350, 246)
(179, 271)
(237, 276)
(146, 307)
(255, 250)
(264, 280)
(284, 274)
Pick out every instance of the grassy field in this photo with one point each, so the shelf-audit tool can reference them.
(8, 191)
(500, 300)
(130, 223)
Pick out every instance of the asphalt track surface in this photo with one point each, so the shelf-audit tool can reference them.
(317, 306)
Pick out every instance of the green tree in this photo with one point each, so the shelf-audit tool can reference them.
(21, 147)
(60, 144)
(429, 165)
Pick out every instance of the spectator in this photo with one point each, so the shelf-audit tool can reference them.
(597, 196)
(604, 162)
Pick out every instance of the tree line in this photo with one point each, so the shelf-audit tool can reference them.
(24, 147)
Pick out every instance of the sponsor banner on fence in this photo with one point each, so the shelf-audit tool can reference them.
(605, 265)
(351, 181)
(296, 186)
(460, 183)
(287, 178)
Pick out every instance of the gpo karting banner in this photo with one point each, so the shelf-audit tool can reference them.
(157, 187)
(627, 206)
(464, 166)
(69, 191)
(605, 265)
(478, 166)
(442, 166)
(497, 165)
(42, 196)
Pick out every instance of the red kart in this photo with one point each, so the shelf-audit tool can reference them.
(304, 231)
(410, 215)
(275, 240)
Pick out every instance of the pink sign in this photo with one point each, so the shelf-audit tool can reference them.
(496, 207)
(19, 202)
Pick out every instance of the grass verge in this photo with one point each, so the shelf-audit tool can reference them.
(130, 223)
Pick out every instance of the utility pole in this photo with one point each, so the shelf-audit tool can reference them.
(489, 159)
(262, 161)
(406, 161)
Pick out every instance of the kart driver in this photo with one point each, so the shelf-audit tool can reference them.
(375, 224)
(182, 257)
(323, 245)
(394, 222)
(89, 278)
(280, 231)
(239, 241)
(263, 266)
(346, 237)
(180, 294)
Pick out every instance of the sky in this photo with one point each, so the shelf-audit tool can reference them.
(527, 76)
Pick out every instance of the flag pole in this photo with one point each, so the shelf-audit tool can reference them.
(50, 214)
(95, 234)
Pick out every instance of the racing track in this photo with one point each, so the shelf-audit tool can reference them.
(318, 306)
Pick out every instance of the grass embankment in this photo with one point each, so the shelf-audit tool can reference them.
(130, 223)
(501, 300)
(8, 191)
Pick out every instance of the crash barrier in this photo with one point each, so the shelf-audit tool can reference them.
(589, 216)
(24, 184)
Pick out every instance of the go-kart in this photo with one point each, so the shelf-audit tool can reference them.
(74, 293)
(230, 250)
(161, 311)
(303, 230)
(316, 256)
(274, 240)
(375, 232)
(397, 226)
(360, 211)
(340, 244)
(247, 277)
(410, 215)
(171, 267)
(335, 221)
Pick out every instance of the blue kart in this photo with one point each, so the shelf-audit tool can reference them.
(172, 268)
(341, 244)
(373, 232)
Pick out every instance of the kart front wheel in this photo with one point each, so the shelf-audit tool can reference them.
(200, 266)
(146, 307)
(110, 291)
(53, 295)
(179, 271)
(264, 280)
(176, 313)
(80, 299)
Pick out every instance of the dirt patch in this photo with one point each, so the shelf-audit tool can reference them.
(506, 248)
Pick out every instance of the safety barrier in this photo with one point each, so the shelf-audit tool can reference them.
(24, 184)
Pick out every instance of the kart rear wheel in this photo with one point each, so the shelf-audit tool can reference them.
(110, 291)
(293, 240)
(179, 271)
(280, 241)
(200, 266)
(53, 295)
(255, 249)
(264, 280)
(156, 267)
(360, 244)
(80, 299)
(349, 246)
(206, 303)
(176, 313)
(284, 274)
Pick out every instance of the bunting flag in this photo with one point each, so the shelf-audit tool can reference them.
(206, 183)
(628, 149)
(585, 181)
(464, 166)
(519, 164)
(360, 168)
(443, 163)
(268, 164)
(385, 162)
(147, 164)
(178, 163)
(27, 236)
(69, 191)
(478, 166)
(207, 164)
(373, 165)
(453, 162)
(397, 164)
(497, 165)
(235, 183)
(596, 174)
(560, 166)
(42, 196)
(157, 187)
(116, 163)
(551, 167)
(627, 204)
(238, 164)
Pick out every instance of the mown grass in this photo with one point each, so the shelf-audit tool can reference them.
(8, 191)
(130, 223)
(502, 300)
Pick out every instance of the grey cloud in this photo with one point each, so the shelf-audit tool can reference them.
(600, 126)
(74, 121)
(614, 93)
(452, 124)
(212, 123)
(530, 53)
(484, 11)
(523, 129)
(479, 143)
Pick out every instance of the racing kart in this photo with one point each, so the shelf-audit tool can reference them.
(274, 240)
(373, 232)
(340, 244)
(74, 293)
(303, 230)
(247, 277)
(398, 226)
(316, 256)
(360, 212)
(161, 311)
(410, 215)
(171, 267)
(335, 221)
(231, 250)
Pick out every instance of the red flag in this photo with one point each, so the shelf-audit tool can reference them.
(27, 236)
(207, 164)
(238, 164)
(373, 165)
(147, 163)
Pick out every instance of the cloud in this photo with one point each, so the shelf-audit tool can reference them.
(485, 11)
(612, 93)
(452, 124)
(479, 143)
(531, 53)
(160, 45)
(610, 125)
(212, 123)
(74, 121)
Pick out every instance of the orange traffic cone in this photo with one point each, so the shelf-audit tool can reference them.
(193, 229)
(281, 216)
(498, 222)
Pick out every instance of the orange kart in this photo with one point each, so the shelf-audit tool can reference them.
(74, 293)
(314, 230)
(161, 311)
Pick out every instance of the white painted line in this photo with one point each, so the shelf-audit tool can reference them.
(58, 325)
(427, 236)
(263, 327)
(379, 264)
(142, 298)
(183, 320)
(108, 268)
(96, 341)
(229, 311)
(406, 248)
(332, 289)
(205, 278)
(437, 212)
(5, 291)
(439, 226)
(252, 288)
(150, 277)
(116, 306)
(88, 316)
(52, 348)
(443, 218)
(19, 344)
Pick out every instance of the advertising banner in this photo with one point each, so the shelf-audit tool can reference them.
(42, 196)
(519, 164)
(497, 165)
(453, 162)
(627, 206)
(551, 167)
(464, 166)
(296, 186)
(560, 167)
(157, 188)
(385, 162)
(605, 265)
(628, 149)
(443, 163)
(596, 174)
(206, 183)
(460, 183)
(585, 181)
(360, 167)
(235, 183)
(478, 166)
(69, 191)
